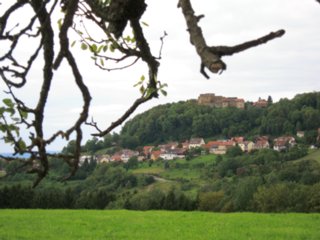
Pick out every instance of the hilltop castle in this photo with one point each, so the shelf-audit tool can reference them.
(210, 99)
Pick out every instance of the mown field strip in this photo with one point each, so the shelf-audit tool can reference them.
(121, 224)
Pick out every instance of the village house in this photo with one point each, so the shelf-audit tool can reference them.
(283, 143)
(103, 158)
(147, 151)
(126, 154)
(155, 155)
(168, 146)
(116, 157)
(262, 143)
(219, 147)
(177, 153)
(87, 158)
(123, 155)
(185, 145)
(247, 146)
(169, 155)
(300, 134)
(196, 142)
(261, 103)
(237, 140)
(141, 158)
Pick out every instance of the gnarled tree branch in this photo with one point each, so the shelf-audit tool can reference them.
(211, 56)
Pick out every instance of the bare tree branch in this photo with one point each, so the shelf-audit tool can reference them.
(153, 65)
(228, 51)
(211, 56)
(125, 116)
(48, 44)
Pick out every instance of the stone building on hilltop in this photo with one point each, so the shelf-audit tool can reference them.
(261, 103)
(210, 99)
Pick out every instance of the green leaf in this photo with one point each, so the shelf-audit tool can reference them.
(60, 23)
(144, 23)
(142, 89)
(8, 102)
(137, 84)
(93, 48)
(12, 127)
(149, 92)
(3, 128)
(22, 145)
(105, 48)
(24, 114)
(7, 139)
(73, 43)
(127, 39)
(84, 46)
(2, 110)
(142, 78)
(100, 48)
(163, 85)
(112, 48)
(164, 93)
(101, 61)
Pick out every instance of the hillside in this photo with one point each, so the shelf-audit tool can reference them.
(314, 155)
(262, 181)
(182, 120)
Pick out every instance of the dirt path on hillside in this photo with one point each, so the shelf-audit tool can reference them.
(160, 179)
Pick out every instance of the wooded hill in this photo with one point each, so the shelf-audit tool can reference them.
(262, 181)
(183, 120)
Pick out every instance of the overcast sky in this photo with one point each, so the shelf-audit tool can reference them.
(281, 68)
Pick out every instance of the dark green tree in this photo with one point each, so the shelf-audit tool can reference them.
(270, 100)
(132, 163)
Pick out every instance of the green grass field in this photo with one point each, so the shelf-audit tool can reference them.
(121, 224)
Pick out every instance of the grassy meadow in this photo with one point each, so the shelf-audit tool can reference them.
(121, 224)
(313, 155)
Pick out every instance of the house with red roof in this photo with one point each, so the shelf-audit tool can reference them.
(262, 143)
(219, 147)
(283, 143)
(155, 155)
(147, 151)
(196, 142)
